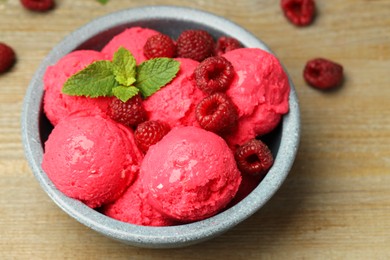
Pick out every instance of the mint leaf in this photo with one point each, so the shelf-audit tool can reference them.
(95, 80)
(154, 74)
(124, 67)
(125, 93)
(121, 77)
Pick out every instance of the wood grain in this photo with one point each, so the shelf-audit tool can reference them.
(335, 203)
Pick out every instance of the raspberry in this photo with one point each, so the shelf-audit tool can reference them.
(214, 74)
(159, 45)
(207, 36)
(149, 133)
(299, 12)
(254, 157)
(323, 74)
(216, 113)
(130, 113)
(225, 44)
(7, 57)
(195, 44)
(38, 5)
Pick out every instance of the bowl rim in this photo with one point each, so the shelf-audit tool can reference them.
(147, 236)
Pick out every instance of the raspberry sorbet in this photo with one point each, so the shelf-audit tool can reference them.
(91, 159)
(190, 174)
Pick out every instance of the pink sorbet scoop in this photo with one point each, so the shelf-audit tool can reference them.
(190, 174)
(91, 159)
(58, 105)
(133, 207)
(260, 90)
(133, 39)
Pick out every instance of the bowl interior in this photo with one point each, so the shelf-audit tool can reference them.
(283, 141)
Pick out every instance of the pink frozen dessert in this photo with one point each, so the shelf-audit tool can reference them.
(186, 173)
(190, 174)
(91, 158)
(175, 103)
(58, 105)
(132, 207)
(260, 90)
(132, 39)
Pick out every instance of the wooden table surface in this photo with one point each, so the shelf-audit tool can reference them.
(335, 203)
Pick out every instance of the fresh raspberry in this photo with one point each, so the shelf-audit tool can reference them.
(225, 44)
(254, 157)
(7, 57)
(159, 45)
(299, 12)
(130, 113)
(149, 133)
(38, 5)
(216, 113)
(195, 44)
(214, 74)
(323, 74)
(207, 36)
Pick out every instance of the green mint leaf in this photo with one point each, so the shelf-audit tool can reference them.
(125, 93)
(124, 67)
(103, 2)
(95, 80)
(154, 74)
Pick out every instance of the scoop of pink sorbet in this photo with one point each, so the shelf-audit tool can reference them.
(132, 207)
(260, 89)
(132, 39)
(190, 174)
(91, 158)
(58, 105)
(175, 103)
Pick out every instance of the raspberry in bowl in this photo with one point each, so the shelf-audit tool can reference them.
(198, 140)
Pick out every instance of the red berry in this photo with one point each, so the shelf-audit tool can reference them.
(207, 36)
(323, 74)
(195, 44)
(7, 57)
(159, 45)
(299, 12)
(38, 5)
(225, 44)
(214, 74)
(149, 133)
(254, 157)
(216, 113)
(130, 113)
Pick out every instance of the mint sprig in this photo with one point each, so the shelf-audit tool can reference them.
(155, 73)
(121, 77)
(124, 66)
(97, 79)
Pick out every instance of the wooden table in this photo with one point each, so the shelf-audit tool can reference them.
(335, 203)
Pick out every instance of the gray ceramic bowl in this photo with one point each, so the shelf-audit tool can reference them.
(170, 20)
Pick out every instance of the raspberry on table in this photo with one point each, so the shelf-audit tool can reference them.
(195, 44)
(159, 45)
(216, 113)
(225, 44)
(130, 113)
(38, 5)
(7, 57)
(214, 74)
(254, 157)
(323, 73)
(299, 12)
(150, 132)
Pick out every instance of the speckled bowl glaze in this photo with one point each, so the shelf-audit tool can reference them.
(169, 20)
